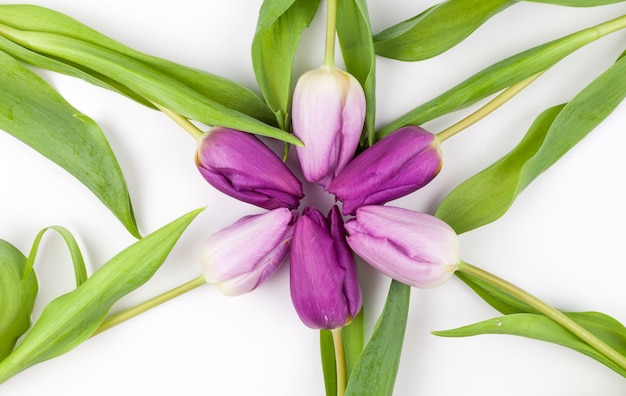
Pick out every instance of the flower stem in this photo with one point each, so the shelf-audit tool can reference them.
(153, 302)
(187, 125)
(488, 108)
(547, 310)
(331, 32)
(340, 361)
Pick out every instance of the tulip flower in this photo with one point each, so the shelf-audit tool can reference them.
(239, 258)
(414, 248)
(393, 167)
(325, 289)
(240, 165)
(328, 115)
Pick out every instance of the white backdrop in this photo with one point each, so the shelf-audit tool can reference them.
(562, 240)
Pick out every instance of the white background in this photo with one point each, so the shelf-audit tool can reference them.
(562, 240)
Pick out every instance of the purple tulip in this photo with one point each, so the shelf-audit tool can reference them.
(414, 248)
(395, 166)
(239, 258)
(325, 289)
(328, 115)
(240, 165)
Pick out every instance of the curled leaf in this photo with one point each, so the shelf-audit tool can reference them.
(73, 317)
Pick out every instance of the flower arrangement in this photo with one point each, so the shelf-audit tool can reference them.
(341, 225)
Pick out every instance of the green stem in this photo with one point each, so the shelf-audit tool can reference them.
(331, 32)
(153, 302)
(187, 125)
(549, 311)
(488, 108)
(340, 361)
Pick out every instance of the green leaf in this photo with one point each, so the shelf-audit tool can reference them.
(36, 114)
(437, 29)
(72, 318)
(542, 328)
(17, 297)
(355, 37)
(215, 88)
(329, 364)
(578, 3)
(80, 271)
(274, 47)
(376, 370)
(353, 340)
(488, 195)
(502, 75)
(498, 299)
(143, 79)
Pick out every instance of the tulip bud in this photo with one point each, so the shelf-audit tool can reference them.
(328, 116)
(393, 167)
(325, 289)
(239, 258)
(414, 248)
(240, 165)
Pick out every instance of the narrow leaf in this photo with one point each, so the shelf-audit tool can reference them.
(329, 366)
(376, 370)
(355, 36)
(578, 3)
(501, 301)
(145, 80)
(353, 341)
(36, 114)
(488, 195)
(39, 19)
(70, 319)
(80, 271)
(437, 29)
(274, 47)
(542, 328)
(17, 297)
(502, 75)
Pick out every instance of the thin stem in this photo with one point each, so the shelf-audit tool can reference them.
(487, 109)
(187, 125)
(549, 311)
(340, 361)
(153, 302)
(331, 32)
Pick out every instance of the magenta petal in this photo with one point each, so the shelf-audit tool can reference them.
(240, 165)
(395, 166)
(324, 287)
(240, 257)
(411, 247)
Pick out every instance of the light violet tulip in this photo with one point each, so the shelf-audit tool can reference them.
(397, 165)
(240, 165)
(328, 113)
(240, 257)
(414, 248)
(324, 286)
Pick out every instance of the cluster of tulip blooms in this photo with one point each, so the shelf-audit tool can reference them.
(328, 116)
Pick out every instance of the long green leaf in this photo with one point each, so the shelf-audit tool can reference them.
(542, 328)
(488, 195)
(329, 364)
(36, 114)
(34, 18)
(72, 318)
(376, 370)
(274, 47)
(437, 29)
(355, 37)
(578, 3)
(17, 296)
(502, 74)
(143, 79)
